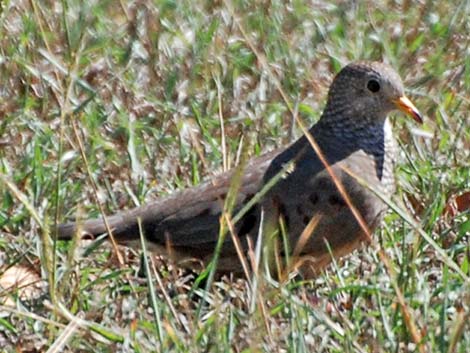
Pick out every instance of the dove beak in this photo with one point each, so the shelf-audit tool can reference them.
(405, 105)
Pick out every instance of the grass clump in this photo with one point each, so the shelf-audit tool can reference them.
(157, 96)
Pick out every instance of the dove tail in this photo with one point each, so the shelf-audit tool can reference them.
(92, 227)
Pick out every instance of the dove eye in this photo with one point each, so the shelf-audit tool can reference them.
(373, 86)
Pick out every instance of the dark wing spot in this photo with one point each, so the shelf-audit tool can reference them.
(322, 183)
(248, 222)
(336, 200)
(313, 198)
(204, 212)
(306, 220)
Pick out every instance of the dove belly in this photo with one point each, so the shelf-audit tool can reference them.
(319, 217)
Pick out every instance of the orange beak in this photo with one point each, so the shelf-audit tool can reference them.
(405, 105)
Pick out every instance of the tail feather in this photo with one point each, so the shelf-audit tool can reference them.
(91, 227)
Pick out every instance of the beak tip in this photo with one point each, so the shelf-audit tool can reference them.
(418, 118)
(405, 105)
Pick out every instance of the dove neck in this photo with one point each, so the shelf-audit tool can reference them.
(374, 137)
(351, 125)
(340, 130)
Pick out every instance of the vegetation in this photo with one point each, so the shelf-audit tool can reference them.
(117, 103)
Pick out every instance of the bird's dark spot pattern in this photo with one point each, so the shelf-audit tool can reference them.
(204, 212)
(322, 183)
(313, 198)
(249, 197)
(336, 200)
(248, 222)
(306, 220)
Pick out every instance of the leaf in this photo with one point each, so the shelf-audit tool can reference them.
(457, 204)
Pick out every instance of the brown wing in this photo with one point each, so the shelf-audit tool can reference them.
(188, 219)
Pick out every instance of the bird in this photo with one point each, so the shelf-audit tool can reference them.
(324, 204)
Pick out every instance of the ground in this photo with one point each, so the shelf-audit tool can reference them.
(117, 103)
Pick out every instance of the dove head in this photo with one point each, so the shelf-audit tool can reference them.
(367, 92)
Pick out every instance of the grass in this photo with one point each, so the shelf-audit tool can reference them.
(144, 87)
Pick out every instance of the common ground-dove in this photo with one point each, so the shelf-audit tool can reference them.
(355, 137)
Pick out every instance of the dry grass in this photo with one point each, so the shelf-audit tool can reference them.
(146, 86)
